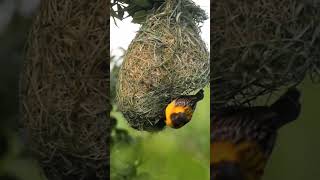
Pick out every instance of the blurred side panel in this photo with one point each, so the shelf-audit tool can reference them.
(65, 89)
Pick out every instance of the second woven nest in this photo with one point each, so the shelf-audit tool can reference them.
(166, 59)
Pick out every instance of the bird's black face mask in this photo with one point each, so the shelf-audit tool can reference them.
(179, 119)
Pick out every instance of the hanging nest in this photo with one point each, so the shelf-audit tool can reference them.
(64, 89)
(166, 59)
(261, 46)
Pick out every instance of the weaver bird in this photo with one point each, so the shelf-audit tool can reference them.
(242, 138)
(179, 111)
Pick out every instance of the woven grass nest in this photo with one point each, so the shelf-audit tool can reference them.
(262, 46)
(64, 89)
(166, 59)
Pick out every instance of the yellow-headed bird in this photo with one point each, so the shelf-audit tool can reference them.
(242, 138)
(179, 111)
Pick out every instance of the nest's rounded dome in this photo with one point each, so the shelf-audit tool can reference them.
(166, 59)
(261, 46)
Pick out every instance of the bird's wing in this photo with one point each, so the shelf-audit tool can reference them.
(254, 124)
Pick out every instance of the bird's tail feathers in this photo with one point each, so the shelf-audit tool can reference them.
(287, 106)
(199, 96)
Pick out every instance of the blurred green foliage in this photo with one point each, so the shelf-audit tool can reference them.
(295, 156)
(114, 77)
(172, 154)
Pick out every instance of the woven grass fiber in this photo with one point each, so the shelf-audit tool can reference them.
(64, 89)
(166, 59)
(262, 46)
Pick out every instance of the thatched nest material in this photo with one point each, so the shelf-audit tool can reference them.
(261, 46)
(166, 59)
(64, 89)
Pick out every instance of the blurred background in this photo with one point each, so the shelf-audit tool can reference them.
(15, 22)
(295, 155)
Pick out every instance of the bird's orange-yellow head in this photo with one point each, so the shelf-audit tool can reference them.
(177, 116)
(179, 111)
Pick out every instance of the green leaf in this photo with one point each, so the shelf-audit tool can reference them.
(120, 12)
(132, 8)
(143, 3)
(139, 16)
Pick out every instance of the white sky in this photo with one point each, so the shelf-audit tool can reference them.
(122, 35)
